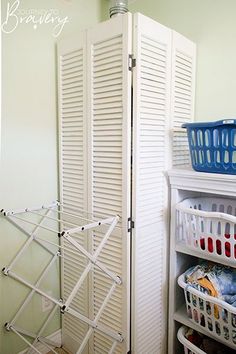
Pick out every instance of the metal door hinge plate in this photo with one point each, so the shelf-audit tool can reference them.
(130, 224)
(132, 62)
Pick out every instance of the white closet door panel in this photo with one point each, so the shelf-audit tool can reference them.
(182, 96)
(151, 87)
(73, 175)
(109, 102)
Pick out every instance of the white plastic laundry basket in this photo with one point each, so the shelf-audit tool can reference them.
(189, 348)
(208, 226)
(216, 316)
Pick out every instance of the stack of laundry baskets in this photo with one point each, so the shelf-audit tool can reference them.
(208, 227)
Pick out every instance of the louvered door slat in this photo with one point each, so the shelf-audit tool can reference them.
(152, 48)
(73, 176)
(109, 167)
(182, 96)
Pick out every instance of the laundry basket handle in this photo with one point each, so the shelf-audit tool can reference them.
(207, 214)
(186, 342)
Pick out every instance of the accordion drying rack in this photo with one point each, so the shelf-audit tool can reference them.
(66, 230)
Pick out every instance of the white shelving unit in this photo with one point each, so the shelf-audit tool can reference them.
(189, 184)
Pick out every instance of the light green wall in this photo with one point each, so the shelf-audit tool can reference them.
(28, 170)
(211, 24)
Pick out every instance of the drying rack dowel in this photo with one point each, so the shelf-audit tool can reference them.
(87, 227)
(29, 285)
(41, 340)
(35, 224)
(70, 237)
(27, 233)
(54, 219)
(90, 331)
(49, 318)
(111, 351)
(29, 297)
(94, 260)
(25, 210)
(24, 339)
(27, 243)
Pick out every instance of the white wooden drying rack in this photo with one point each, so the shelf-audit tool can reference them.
(43, 213)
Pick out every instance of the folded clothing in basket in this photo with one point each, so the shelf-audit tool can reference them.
(215, 280)
(206, 344)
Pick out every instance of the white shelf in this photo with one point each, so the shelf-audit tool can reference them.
(210, 183)
(180, 247)
(181, 317)
(187, 183)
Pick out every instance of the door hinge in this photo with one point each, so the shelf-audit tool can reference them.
(132, 62)
(130, 224)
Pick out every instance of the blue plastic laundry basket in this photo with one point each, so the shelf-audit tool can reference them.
(213, 146)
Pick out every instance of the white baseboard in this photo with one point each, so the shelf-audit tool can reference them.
(55, 337)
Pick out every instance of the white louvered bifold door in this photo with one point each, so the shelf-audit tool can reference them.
(73, 174)
(151, 96)
(182, 95)
(109, 102)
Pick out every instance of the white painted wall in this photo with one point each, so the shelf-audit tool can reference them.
(28, 170)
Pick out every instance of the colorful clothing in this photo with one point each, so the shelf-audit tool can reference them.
(214, 280)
